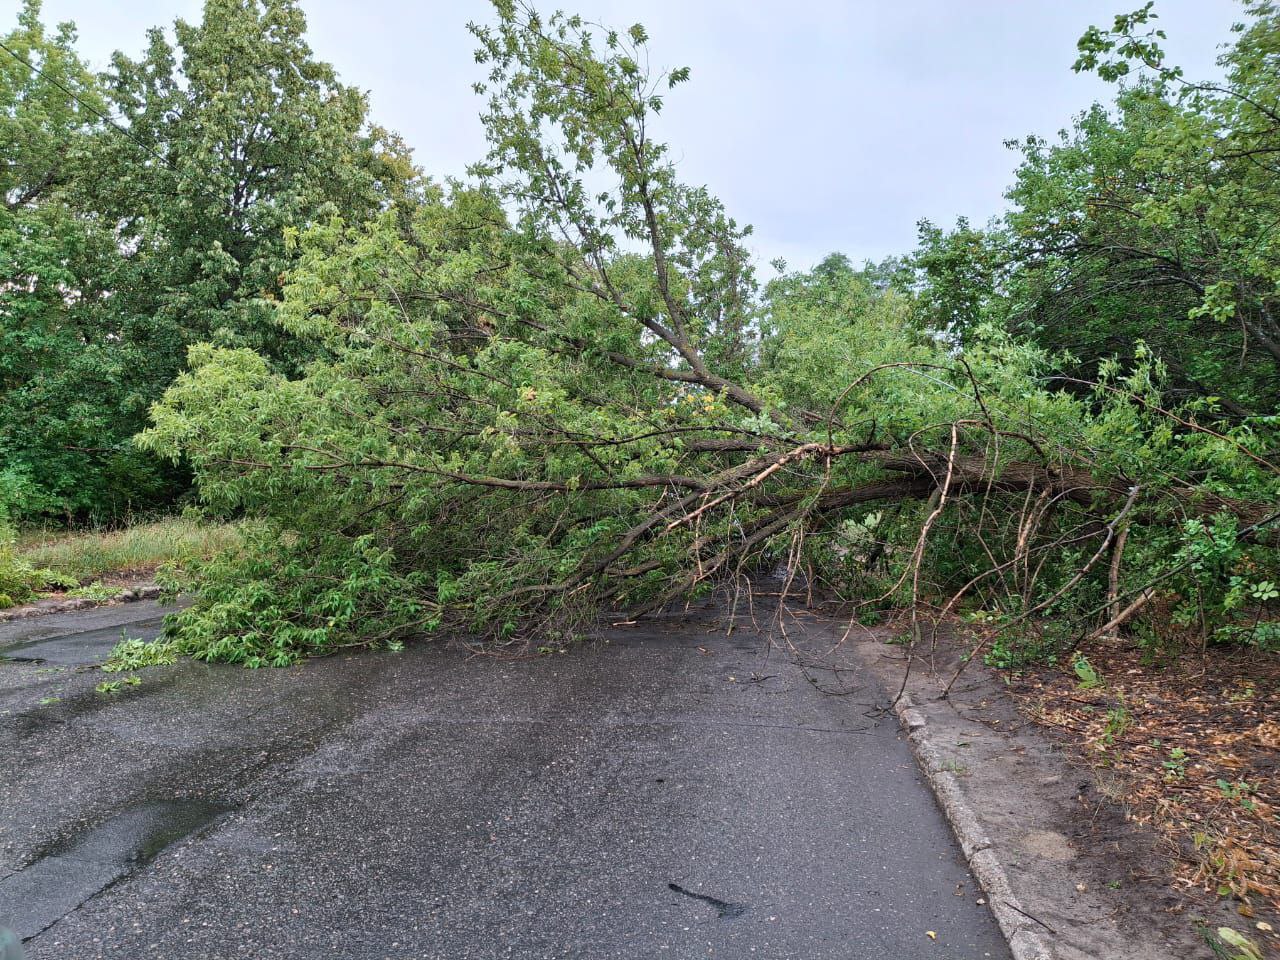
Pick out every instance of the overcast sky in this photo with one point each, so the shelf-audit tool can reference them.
(828, 125)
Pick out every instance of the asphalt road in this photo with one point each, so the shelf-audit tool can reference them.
(670, 792)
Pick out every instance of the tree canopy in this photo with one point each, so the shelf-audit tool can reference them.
(1147, 222)
(146, 210)
(558, 390)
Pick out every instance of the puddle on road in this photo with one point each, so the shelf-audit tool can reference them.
(69, 872)
(137, 836)
(82, 647)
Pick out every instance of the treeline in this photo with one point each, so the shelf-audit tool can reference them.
(560, 388)
(146, 208)
(1150, 225)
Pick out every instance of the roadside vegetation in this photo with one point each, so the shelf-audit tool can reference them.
(84, 555)
(20, 580)
(508, 404)
(529, 401)
(562, 388)
(95, 562)
(1189, 745)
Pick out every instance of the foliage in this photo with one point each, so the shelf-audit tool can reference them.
(257, 137)
(1085, 672)
(96, 591)
(560, 391)
(1118, 720)
(1231, 944)
(86, 555)
(116, 686)
(20, 580)
(1139, 251)
(1175, 768)
(132, 653)
(65, 371)
(1149, 223)
(508, 406)
(121, 243)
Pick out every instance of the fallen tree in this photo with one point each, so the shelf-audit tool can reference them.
(562, 392)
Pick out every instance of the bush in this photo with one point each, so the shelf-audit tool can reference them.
(20, 580)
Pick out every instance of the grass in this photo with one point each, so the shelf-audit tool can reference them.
(88, 555)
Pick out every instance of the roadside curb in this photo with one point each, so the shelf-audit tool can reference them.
(1025, 941)
(143, 591)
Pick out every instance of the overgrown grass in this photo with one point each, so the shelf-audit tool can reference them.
(87, 555)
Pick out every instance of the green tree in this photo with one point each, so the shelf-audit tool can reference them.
(125, 242)
(238, 134)
(558, 392)
(66, 373)
(1150, 223)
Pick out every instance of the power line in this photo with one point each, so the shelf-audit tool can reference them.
(221, 201)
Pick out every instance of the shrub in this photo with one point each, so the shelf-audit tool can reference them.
(20, 580)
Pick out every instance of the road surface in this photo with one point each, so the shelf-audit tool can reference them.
(668, 792)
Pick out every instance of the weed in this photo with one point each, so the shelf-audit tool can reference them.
(1118, 721)
(21, 579)
(96, 591)
(90, 554)
(1248, 693)
(1012, 650)
(1237, 791)
(115, 686)
(1085, 672)
(1175, 768)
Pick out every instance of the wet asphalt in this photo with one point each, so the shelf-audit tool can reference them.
(667, 791)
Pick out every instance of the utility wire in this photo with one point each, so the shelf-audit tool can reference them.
(221, 201)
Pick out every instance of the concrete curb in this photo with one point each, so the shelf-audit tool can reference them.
(143, 591)
(1026, 941)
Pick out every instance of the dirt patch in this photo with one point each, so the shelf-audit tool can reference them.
(1190, 745)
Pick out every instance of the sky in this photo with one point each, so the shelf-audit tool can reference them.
(828, 125)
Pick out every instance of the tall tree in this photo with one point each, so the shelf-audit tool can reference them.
(66, 372)
(173, 227)
(1147, 225)
(247, 136)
